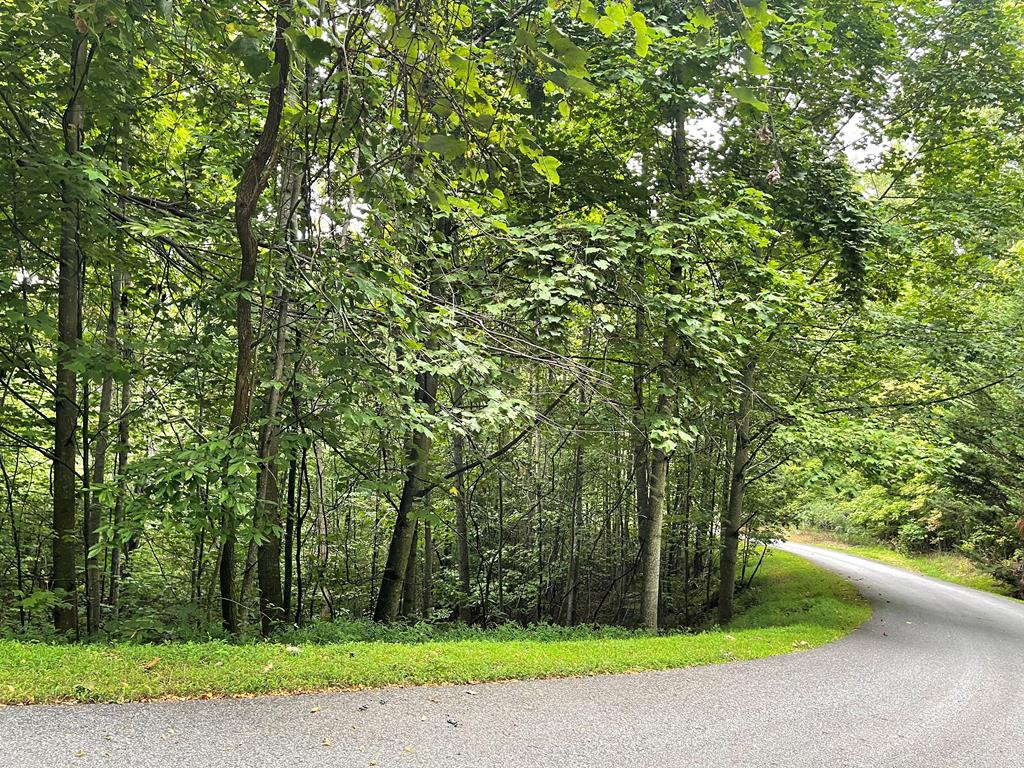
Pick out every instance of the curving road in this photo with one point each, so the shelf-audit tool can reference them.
(935, 679)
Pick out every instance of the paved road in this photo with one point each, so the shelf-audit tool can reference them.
(935, 680)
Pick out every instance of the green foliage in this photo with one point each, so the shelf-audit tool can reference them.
(804, 607)
(566, 242)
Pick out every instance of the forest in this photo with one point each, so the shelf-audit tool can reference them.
(516, 312)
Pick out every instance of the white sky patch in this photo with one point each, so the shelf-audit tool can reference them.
(22, 277)
(861, 147)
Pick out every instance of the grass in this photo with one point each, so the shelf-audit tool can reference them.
(794, 606)
(948, 566)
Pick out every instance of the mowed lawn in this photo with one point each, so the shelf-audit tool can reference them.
(793, 606)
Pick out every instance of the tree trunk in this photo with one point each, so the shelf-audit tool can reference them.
(289, 536)
(732, 519)
(428, 571)
(123, 424)
(461, 515)
(417, 459)
(248, 582)
(65, 614)
(665, 409)
(268, 490)
(639, 427)
(99, 466)
(268, 494)
(650, 542)
(247, 195)
(323, 550)
(409, 587)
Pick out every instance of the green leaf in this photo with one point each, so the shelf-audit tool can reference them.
(571, 82)
(755, 64)
(547, 166)
(746, 95)
(643, 45)
(606, 26)
(313, 49)
(639, 22)
(254, 59)
(588, 13)
(449, 146)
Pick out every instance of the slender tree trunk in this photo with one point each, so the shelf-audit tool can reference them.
(289, 536)
(575, 524)
(248, 584)
(576, 501)
(501, 545)
(15, 536)
(409, 586)
(664, 412)
(461, 515)
(428, 571)
(123, 424)
(639, 427)
(268, 493)
(323, 549)
(247, 194)
(679, 177)
(417, 459)
(732, 519)
(300, 518)
(65, 614)
(268, 514)
(92, 562)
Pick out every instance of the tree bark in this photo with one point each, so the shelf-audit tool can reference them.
(640, 441)
(323, 550)
(123, 424)
(732, 518)
(65, 614)
(428, 571)
(417, 460)
(664, 411)
(461, 515)
(247, 195)
(409, 587)
(268, 492)
(289, 537)
(99, 466)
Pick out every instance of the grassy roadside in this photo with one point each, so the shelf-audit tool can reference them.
(948, 566)
(793, 607)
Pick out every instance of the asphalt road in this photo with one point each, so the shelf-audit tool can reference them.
(935, 679)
